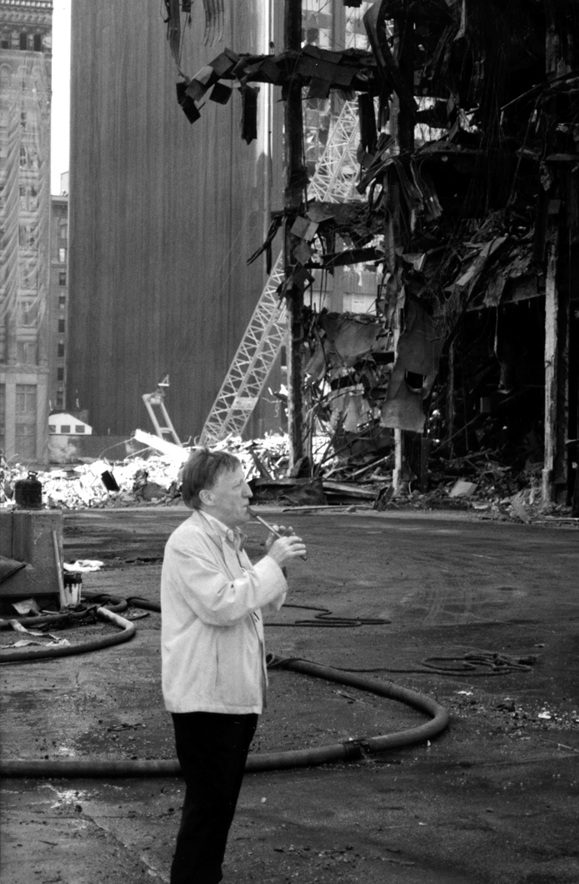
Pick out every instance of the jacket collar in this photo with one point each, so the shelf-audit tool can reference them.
(218, 530)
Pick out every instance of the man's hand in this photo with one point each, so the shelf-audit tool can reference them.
(285, 549)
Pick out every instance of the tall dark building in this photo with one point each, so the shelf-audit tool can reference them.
(163, 215)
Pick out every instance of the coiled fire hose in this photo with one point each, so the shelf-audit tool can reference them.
(349, 750)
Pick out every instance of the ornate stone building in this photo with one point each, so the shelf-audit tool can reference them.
(25, 72)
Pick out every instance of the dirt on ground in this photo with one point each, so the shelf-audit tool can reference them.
(480, 616)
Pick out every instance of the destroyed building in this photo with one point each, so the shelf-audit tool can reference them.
(468, 159)
(464, 215)
(486, 246)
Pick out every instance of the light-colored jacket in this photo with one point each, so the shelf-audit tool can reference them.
(212, 647)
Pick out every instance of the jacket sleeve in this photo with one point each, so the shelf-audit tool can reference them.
(218, 600)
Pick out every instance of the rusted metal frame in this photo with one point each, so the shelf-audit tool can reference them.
(568, 227)
(174, 28)
(573, 283)
(295, 173)
(404, 121)
(388, 69)
(561, 225)
(551, 363)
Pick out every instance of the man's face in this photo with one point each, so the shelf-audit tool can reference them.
(229, 498)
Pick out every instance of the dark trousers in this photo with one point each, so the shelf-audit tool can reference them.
(212, 749)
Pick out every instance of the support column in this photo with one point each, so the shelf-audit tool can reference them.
(403, 131)
(295, 179)
(551, 323)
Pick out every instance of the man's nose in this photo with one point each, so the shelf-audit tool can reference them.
(247, 492)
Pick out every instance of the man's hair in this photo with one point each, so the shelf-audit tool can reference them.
(202, 471)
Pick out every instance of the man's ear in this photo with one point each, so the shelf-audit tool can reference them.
(206, 496)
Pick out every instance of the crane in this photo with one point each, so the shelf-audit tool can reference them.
(333, 181)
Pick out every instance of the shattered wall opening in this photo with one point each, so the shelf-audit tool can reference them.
(496, 401)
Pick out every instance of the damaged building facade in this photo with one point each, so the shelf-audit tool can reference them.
(468, 166)
(434, 309)
(486, 244)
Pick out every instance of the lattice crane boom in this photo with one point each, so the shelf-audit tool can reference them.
(251, 364)
(333, 181)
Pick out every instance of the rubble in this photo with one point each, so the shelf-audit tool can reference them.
(82, 486)
(479, 484)
(508, 715)
(135, 481)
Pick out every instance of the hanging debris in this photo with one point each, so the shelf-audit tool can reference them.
(468, 158)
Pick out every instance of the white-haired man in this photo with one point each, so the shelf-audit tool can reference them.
(213, 656)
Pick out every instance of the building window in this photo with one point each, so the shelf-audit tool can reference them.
(27, 310)
(52, 428)
(62, 301)
(61, 325)
(60, 350)
(65, 428)
(63, 230)
(62, 256)
(24, 40)
(60, 374)
(79, 428)
(38, 42)
(26, 441)
(26, 399)
(5, 76)
(26, 420)
(26, 352)
(62, 277)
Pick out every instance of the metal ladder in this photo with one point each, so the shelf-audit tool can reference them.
(333, 181)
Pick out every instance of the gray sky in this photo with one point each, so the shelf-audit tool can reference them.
(60, 115)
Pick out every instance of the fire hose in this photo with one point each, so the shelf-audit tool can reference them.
(349, 750)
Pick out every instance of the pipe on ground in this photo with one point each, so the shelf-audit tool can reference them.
(107, 641)
(348, 751)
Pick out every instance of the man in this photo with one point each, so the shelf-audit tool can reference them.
(213, 656)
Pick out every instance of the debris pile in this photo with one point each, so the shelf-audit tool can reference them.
(135, 481)
(98, 484)
(478, 483)
(508, 715)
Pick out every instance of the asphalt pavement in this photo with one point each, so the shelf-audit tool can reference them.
(480, 616)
